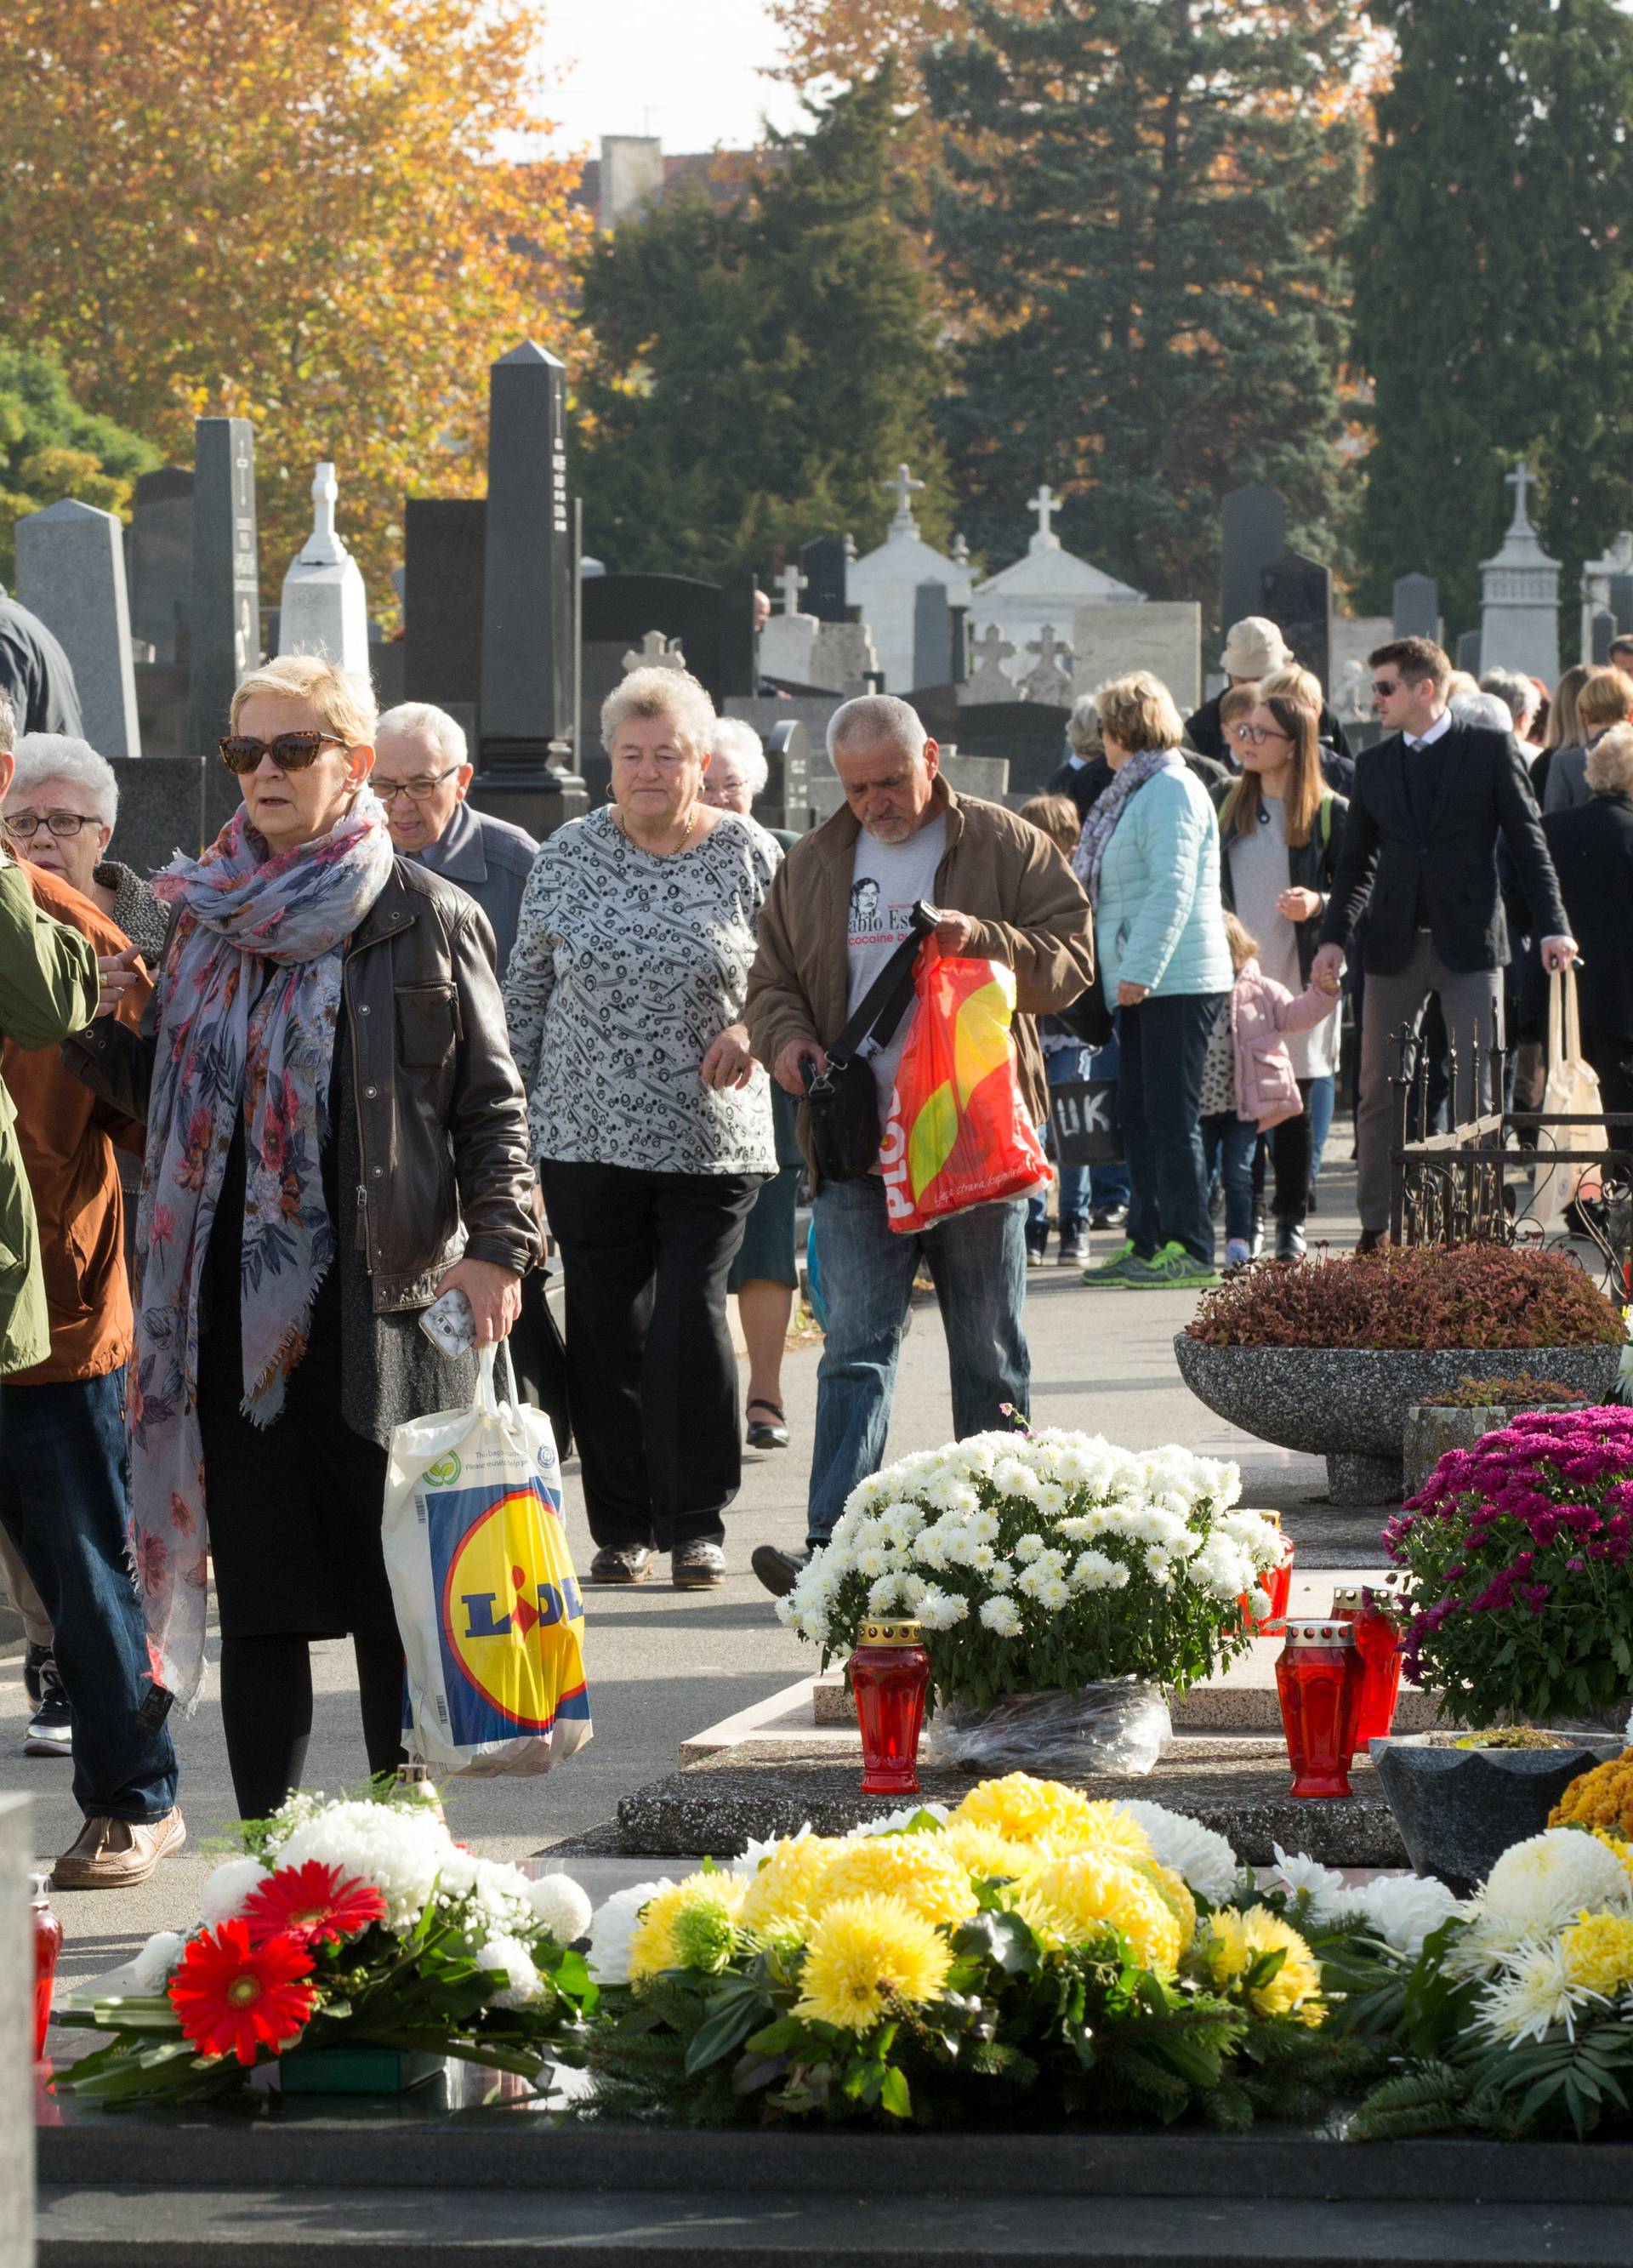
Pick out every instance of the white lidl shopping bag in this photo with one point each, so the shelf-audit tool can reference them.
(487, 1600)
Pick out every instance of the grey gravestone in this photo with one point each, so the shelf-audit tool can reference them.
(989, 680)
(1622, 602)
(530, 576)
(1110, 638)
(841, 658)
(1468, 653)
(786, 801)
(1050, 678)
(1603, 628)
(445, 542)
(823, 566)
(1417, 608)
(932, 635)
(223, 615)
(160, 556)
(1252, 533)
(1298, 599)
(70, 570)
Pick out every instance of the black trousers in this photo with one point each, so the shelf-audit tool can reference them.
(652, 1374)
(1611, 1055)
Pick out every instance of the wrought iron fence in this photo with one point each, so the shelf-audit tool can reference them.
(1483, 1180)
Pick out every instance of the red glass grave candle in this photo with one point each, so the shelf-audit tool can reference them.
(48, 1945)
(1378, 1641)
(1318, 1675)
(1278, 1583)
(890, 1678)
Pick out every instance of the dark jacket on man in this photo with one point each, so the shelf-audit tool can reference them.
(1086, 783)
(491, 859)
(1206, 734)
(36, 673)
(1591, 847)
(1419, 851)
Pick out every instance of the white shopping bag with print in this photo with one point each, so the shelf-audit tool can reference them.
(488, 1604)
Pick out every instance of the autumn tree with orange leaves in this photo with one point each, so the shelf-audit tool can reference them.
(297, 211)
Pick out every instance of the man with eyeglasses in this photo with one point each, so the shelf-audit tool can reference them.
(422, 774)
(1419, 849)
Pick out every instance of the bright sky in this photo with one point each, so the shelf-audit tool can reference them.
(691, 71)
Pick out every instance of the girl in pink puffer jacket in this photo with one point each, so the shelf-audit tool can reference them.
(1248, 1084)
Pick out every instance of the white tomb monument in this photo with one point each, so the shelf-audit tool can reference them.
(885, 582)
(1043, 590)
(322, 609)
(1596, 579)
(1519, 596)
(788, 641)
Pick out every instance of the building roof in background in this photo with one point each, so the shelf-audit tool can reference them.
(634, 171)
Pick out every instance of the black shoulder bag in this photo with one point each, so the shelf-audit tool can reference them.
(844, 1100)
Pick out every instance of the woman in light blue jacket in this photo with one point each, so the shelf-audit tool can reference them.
(1149, 858)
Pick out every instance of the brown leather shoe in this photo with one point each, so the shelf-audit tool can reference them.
(114, 1854)
(625, 1563)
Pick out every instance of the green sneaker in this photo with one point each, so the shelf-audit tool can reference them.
(1173, 1270)
(1111, 1275)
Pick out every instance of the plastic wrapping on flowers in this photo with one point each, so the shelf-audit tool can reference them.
(1121, 1729)
(1045, 1563)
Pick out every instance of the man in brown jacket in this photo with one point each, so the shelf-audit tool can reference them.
(838, 908)
(64, 1499)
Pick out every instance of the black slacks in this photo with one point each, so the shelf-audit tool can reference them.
(652, 1374)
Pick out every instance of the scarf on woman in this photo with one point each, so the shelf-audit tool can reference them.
(1101, 823)
(251, 998)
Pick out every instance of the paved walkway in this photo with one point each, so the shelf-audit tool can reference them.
(663, 1664)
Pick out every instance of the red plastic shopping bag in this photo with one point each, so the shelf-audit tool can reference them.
(957, 1134)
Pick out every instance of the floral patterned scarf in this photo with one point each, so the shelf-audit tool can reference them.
(251, 995)
(1101, 823)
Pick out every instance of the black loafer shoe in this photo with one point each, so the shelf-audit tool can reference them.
(779, 1569)
(630, 1563)
(767, 1435)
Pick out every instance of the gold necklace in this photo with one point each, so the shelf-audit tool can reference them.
(691, 818)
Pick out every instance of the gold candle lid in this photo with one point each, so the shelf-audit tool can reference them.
(1318, 1631)
(902, 1631)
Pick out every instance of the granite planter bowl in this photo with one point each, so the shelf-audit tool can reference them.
(1459, 1810)
(1430, 1431)
(1349, 1405)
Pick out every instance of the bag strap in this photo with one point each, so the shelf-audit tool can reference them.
(885, 1002)
(1573, 1020)
(486, 1384)
(1556, 1016)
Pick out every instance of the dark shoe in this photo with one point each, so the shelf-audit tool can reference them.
(779, 1569)
(32, 1659)
(116, 1854)
(51, 1728)
(1288, 1241)
(630, 1563)
(1111, 1216)
(1310, 1206)
(1074, 1250)
(1372, 1240)
(764, 1436)
(697, 1566)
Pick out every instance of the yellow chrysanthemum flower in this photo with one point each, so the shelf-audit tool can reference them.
(988, 1855)
(784, 1898)
(1623, 1850)
(860, 1949)
(1599, 1952)
(1070, 1899)
(1236, 1939)
(702, 1909)
(919, 1869)
(1041, 1811)
(1176, 1891)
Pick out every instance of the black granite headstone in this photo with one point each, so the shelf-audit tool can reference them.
(1030, 735)
(160, 573)
(787, 799)
(445, 543)
(823, 564)
(738, 640)
(1298, 599)
(1622, 602)
(159, 803)
(932, 636)
(1417, 612)
(223, 615)
(1252, 533)
(620, 610)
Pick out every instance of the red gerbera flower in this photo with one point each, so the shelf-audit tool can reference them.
(312, 1904)
(236, 1999)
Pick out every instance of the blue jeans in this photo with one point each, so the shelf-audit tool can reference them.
(65, 1505)
(1109, 1185)
(978, 1260)
(1061, 1065)
(1233, 1140)
(1321, 1101)
(1165, 1043)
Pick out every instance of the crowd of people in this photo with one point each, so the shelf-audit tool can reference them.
(374, 1045)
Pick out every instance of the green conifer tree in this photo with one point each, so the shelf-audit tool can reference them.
(1139, 217)
(758, 369)
(51, 448)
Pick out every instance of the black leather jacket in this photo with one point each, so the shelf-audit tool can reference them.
(442, 1126)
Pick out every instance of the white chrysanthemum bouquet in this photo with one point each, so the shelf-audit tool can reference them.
(1038, 1561)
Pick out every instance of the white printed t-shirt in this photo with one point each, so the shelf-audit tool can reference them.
(887, 879)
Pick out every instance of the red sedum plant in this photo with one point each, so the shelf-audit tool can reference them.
(1429, 1296)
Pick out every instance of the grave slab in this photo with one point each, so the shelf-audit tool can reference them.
(70, 570)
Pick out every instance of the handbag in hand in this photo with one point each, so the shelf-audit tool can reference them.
(842, 1100)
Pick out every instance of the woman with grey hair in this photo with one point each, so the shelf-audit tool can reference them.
(651, 1122)
(60, 813)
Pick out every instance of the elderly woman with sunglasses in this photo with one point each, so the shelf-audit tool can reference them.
(335, 1136)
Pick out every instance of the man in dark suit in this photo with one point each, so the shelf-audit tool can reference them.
(1419, 851)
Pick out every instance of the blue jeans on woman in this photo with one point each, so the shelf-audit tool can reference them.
(1164, 1044)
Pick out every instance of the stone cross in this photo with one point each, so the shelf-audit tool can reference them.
(961, 550)
(657, 653)
(989, 680)
(906, 489)
(1050, 679)
(1046, 503)
(792, 583)
(1519, 480)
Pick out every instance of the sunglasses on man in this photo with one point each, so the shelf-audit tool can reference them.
(291, 752)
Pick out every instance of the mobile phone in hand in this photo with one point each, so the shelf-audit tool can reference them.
(449, 1323)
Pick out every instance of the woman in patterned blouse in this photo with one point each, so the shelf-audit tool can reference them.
(651, 1122)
